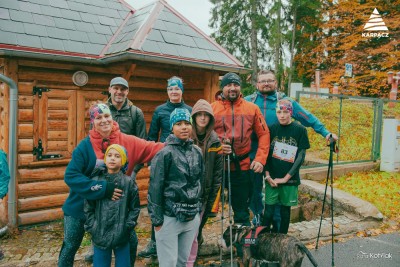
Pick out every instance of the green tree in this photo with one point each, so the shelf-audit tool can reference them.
(239, 28)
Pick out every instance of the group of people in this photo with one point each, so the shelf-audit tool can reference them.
(185, 150)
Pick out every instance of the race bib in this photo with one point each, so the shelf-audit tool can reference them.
(284, 152)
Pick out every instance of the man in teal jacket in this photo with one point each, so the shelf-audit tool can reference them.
(266, 98)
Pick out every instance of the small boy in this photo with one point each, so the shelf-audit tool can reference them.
(110, 222)
(289, 142)
(174, 197)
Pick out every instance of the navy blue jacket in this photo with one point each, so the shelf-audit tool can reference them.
(77, 178)
(160, 120)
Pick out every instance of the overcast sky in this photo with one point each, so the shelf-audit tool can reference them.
(196, 11)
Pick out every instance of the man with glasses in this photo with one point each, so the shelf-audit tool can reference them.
(131, 121)
(159, 130)
(266, 98)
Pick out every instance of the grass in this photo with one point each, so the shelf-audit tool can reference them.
(379, 188)
(357, 120)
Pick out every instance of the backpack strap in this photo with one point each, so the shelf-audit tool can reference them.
(134, 109)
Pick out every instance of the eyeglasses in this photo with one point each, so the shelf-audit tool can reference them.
(267, 81)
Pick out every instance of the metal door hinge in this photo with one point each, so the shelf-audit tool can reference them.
(38, 152)
(39, 90)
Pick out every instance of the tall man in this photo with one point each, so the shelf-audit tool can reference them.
(131, 121)
(235, 120)
(160, 128)
(266, 98)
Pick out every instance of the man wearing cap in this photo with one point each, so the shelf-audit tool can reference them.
(129, 117)
(159, 131)
(235, 120)
(266, 98)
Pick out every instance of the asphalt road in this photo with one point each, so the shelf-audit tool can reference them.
(377, 251)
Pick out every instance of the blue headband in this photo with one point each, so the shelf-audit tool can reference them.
(175, 82)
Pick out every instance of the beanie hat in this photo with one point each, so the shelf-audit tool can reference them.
(97, 109)
(230, 78)
(285, 104)
(175, 81)
(120, 81)
(122, 152)
(179, 114)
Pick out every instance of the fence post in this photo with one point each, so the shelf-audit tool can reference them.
(378, 134)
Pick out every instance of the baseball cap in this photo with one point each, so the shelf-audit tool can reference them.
(119, 80)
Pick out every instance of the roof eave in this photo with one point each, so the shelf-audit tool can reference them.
(178, 61)
(6, 50)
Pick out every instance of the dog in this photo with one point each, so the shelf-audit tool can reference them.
(287, 250)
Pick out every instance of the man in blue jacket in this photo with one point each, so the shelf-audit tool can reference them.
(266, 97)
(4, 179)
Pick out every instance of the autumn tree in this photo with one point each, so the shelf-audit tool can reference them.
(338, 40)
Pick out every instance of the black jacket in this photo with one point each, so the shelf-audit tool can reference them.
(110, 222)
(175, 181)
(160, 120)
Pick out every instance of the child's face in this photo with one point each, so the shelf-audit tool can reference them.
(113, 161)
(284, 117)
(182, 130)
(202, 119)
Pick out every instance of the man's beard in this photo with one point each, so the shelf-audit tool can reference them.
(268, 92)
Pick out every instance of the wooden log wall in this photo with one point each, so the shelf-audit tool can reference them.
(60, 119)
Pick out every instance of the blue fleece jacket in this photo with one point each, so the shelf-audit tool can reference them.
(267, 105)
(77, 178)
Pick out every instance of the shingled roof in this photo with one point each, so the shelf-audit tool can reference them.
(107, 31)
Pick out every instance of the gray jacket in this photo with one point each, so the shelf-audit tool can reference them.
(176, 177)
(111, 222)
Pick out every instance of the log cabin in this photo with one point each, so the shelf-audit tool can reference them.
(62, 55)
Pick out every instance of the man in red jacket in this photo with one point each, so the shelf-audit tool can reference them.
(235, 120)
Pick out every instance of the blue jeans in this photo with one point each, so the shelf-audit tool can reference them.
(102, 257)
(73, 235)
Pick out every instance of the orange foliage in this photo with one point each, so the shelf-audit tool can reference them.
(339, 41)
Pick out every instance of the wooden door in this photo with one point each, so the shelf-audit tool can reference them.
(57, 122)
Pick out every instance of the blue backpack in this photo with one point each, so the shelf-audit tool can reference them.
(4, 174)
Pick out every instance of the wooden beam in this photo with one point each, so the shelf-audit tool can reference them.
(129, 73)
(40, 174)
(40, 216)
(42, 188)
(43, 202)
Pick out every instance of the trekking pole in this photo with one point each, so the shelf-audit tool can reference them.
(332, 145)
(230, 206)
(222, 203)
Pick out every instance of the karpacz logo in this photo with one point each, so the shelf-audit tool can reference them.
(96, 187)
(375, 34)
(376, 26)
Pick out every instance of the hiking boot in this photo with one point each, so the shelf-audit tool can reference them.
(149, 251)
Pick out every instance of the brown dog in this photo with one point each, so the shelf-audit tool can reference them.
(287, 250)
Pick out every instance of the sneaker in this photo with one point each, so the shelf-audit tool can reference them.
(89, 258)
(149, 251)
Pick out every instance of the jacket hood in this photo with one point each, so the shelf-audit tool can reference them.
(202, 106)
